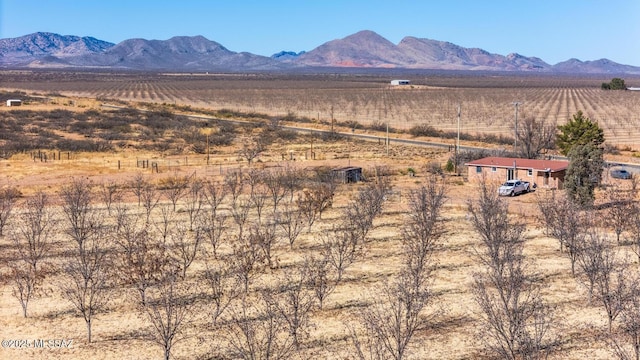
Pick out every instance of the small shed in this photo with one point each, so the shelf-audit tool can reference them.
(14, 102)
(345, 175)
(400, 82)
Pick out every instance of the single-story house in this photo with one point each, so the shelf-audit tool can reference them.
(350, 174)
(14, 102)
(543, 173)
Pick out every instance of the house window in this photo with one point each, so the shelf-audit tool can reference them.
(478, 169)
(494, 169)
(530, 172)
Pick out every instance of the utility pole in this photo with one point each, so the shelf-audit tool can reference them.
(458, 140)
(387, 138)
(515, 133)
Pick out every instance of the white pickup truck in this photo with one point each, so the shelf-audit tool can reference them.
(514, 187)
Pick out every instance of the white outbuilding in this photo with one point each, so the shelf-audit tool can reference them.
(400, 82)
(14, 102)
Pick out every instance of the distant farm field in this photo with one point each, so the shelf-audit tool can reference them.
(486, 100)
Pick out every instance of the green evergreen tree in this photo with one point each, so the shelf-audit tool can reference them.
(580, 130)
(584, 173)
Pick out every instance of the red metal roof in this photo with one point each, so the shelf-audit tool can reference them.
(535, 164)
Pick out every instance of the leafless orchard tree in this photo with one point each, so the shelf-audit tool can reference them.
(169, 310)
(535, 136)
(620, 209)
(194, 201)
(515, 321)
(142, 260)
(224, 287)
(625, 342)
(164, 226)
(258, 191)
(8, 199)
(252, 148)
(633, 230)
(367, 205)
(185, 245)
(137, 185)
(247, 260)
(258, 331)
(314, 201)
(294, 301)
(175, 187)
(291, 221)
(567, 223)
(87, 271)
(34, 230)
(265, 237)
(150, 198)
(603, 272)
(321, 277)
(24, 283)
(341, 247)
(32, 236)
(110, 193)
(392, 320)
(214, 194)
(276, 183)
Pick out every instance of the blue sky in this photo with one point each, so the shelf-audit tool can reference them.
(554, 30)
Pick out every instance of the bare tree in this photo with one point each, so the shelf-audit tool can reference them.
(366, 206)
(341, 247)
(252, 148)
(294, 301)
(246, 259)
(626, 342)
(87, 269)
(633, 229)
(8, 199)
(259, 331)
(515, 321)
(393, 319)
(321, 278)
(276, 183)
(110, 193)
(137, 185)
(265, 237)
(194, 201)
(25, 283)
(142, 260)
(86, 279)
(169, 310)
(32, 239)
(175, 187)
(567, 223)
(258, 191)
(214, 194)
(619, 209)
(535, 136)
(212, 225)
(185, 245)
(34, 230)
(150, 198)
(291, 222)
(604, 274)
(224, 287)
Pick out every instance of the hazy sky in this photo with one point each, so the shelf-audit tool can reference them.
(554, 30)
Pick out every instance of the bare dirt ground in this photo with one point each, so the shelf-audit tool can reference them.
(453, 333)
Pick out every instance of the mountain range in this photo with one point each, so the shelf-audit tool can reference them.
(364, 49)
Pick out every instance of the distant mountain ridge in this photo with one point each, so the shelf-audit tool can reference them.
(364, 49)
